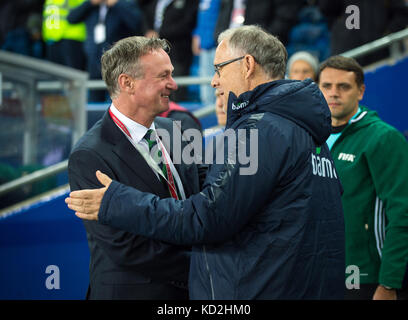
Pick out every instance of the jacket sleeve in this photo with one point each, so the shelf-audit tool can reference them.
(387, 165)
(229, 199)
(80, 13)
(130, 14)
(127, 250)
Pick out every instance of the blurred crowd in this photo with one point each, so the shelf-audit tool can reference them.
(75, 33)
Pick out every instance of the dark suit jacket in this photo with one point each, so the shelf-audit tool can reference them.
(124, 265)
(179, 21)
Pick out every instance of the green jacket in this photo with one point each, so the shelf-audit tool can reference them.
(371, 158)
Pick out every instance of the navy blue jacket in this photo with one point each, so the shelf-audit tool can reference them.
(122, 20)
(274, 234)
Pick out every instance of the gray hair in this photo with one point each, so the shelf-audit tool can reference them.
(266, 49)
(123, 57)
(304, 56)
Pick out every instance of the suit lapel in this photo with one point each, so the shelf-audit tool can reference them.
(130, 157)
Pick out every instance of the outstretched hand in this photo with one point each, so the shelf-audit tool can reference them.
(86, 203)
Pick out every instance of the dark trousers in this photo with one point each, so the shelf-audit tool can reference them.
(94, 70)
(148, 291)
(181, 57)
(69, 53)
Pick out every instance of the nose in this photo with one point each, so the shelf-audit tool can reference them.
(172, 84)
(333, 92)
(215, 80)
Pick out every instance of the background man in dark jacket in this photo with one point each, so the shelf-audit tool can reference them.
(137, 72)
(173, 20)
(376, 19)
(276, 16)
(107, 21)
(276, 232)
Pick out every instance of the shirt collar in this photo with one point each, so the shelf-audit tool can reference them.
(136, 130)
(355, 115)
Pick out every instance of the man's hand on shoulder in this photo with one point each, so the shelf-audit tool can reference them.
(86, 203)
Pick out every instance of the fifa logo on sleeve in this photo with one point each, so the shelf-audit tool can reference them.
(346, 157)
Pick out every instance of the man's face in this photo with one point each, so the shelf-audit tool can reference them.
(231, 78)
(301, 70)
(341, 92)
(152, 91)
(220, 111)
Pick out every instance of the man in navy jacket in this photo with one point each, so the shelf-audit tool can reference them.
(270, 230)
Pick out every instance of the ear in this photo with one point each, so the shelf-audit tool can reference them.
(249, 65)
(125, 83)
(361, 92)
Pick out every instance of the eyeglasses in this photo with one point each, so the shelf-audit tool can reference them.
(218, 66)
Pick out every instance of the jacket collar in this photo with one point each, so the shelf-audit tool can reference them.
(245, 102)
(298, 101)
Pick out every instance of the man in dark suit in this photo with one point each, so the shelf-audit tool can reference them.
(107, 21)
(276, 16)
(174, 21)
(138, 75)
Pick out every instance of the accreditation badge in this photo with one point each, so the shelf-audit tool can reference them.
(100, 33)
